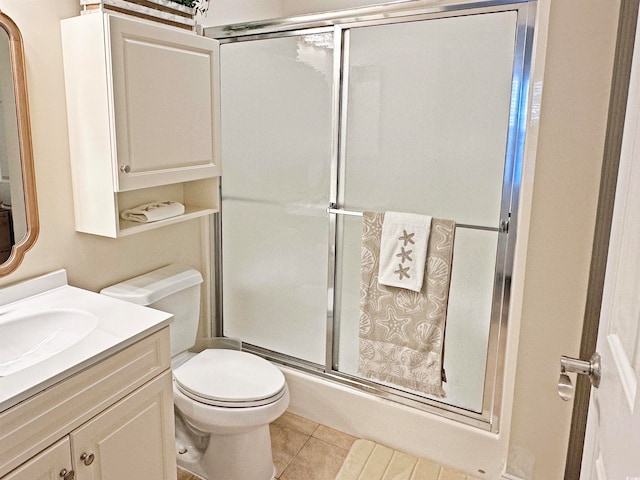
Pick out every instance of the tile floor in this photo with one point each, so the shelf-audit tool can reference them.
(303, 450)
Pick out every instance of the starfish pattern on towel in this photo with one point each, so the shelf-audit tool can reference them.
(378, 296)
(405, 255)
(403, 272)
(393, 325)
(407, 238)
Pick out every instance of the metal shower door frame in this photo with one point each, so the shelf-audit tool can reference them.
(340, 24)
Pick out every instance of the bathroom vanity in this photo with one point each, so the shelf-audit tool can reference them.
(101, 408)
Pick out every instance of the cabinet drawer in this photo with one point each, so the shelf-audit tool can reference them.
(46, 465)
(39, 421)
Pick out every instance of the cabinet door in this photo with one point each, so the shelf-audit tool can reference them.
(132, 440)
(165, 89)
(48, 465)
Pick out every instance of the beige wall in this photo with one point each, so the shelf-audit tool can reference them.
(224, 12)
(575, 98)
(92, 262)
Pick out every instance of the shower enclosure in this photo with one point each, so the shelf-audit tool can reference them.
(406, 107)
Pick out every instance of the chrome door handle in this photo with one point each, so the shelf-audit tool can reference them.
(592, 368)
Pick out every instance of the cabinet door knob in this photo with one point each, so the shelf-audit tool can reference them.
(125, 168)
(87, 459)
(67, 475)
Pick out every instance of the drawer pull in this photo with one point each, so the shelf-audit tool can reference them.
(67, 475)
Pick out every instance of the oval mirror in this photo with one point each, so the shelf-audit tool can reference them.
(18, 208)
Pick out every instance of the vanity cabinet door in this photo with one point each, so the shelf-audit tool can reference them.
(52, 464)
(132, 440)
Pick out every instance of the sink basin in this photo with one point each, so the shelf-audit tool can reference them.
(50, 330)
(28, 337)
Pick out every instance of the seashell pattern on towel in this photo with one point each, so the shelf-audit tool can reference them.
(402, 331)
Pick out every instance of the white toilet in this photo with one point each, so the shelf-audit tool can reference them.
(224, 399)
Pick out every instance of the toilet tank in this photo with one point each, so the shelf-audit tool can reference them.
(173, 289)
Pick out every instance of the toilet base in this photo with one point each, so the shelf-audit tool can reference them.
(241, 456)
(186, 468)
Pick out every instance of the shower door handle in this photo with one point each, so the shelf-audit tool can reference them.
(592, 368)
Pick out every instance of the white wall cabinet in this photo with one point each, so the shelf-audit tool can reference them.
(143, 114)
(112, 421)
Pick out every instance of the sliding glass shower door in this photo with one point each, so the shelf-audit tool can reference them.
(277, 136)
(425, 130)
(420, 112)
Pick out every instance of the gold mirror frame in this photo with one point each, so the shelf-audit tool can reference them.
(18, 70)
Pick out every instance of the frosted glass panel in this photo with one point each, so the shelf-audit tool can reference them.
(468, 316)
(425, 114)
(427, 127)
(275, 278)
(428, 116)
(276, 130)
(276, 119)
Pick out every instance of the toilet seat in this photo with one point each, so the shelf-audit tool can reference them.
(229, 378)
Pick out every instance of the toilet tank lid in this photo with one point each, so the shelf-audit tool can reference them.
(156, 285)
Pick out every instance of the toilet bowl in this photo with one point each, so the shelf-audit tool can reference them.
(233, 403)
(224, 399)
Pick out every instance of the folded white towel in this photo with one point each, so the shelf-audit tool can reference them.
(153, 211)
(403, 250)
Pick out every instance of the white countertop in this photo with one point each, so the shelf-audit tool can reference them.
(120, 325)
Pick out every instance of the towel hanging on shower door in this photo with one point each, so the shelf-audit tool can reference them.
(402, 331)
(403, 250)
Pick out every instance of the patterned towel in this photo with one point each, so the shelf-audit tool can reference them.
(401, 331)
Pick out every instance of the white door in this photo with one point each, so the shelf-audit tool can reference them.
(612, 443)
